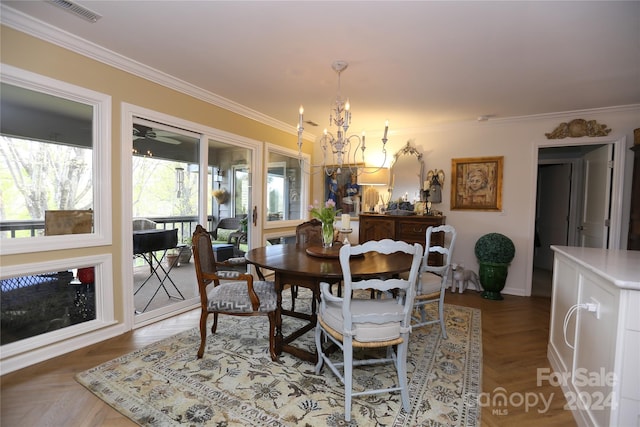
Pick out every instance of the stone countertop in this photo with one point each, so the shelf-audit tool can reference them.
(620, 267)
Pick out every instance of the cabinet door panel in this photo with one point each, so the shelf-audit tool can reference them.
(565, 295)
(377, 229)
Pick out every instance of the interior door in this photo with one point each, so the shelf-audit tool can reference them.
(552, 216)
(594, 221)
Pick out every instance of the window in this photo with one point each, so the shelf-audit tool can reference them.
(286, 187)
(55, 186)
(54, 148)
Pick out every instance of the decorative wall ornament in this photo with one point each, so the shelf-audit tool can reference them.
(577, 128)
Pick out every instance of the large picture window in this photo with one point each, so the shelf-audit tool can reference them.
(54, 152)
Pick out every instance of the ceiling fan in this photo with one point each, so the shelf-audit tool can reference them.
(145, 132)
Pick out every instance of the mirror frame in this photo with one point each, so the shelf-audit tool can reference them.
(407, 150)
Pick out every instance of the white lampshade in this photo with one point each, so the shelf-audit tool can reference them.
(379, 177)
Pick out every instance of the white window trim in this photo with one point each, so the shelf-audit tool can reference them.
(128, 112)
(101, 152)
(45, 346)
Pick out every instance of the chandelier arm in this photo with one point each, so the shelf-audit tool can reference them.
(339, 146)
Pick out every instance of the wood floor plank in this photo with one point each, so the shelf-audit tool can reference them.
(514, 340)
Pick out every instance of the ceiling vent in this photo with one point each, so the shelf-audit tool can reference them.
(76, 9)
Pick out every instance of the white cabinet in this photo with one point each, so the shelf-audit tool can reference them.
(595, 309)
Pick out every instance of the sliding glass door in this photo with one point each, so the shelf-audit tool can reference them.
(165, 206)
(181, 178)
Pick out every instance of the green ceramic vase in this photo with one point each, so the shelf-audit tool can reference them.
(493, 277)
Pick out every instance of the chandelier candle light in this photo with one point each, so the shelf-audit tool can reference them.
(340, 145)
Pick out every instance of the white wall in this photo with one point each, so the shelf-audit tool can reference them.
(517, 140)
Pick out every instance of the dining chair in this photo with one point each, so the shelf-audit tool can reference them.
(229, 292)
(432, 280)
(355, 321)
(308, 233)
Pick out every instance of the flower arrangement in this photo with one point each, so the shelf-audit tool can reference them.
(495, 248)
(326, 214)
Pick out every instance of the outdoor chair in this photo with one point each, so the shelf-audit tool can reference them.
(432, 280)
(357, 321)
(229, 292)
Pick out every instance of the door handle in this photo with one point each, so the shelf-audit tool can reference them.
(255, 216)
(580, 228)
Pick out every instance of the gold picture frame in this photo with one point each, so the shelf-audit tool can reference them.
(476, 183)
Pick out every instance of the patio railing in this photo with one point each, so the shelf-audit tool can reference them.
(185, 225)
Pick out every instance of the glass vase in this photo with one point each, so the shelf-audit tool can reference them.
(327, 234)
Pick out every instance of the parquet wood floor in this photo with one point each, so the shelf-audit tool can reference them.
(514, 339)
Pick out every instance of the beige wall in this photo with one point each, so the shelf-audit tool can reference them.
(515, 139)
(35, 55)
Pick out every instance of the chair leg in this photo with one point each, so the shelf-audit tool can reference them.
(203, 333)
(318, 336)
(348, 377)
(214, 327)
(401, 367)
(441, 314)
(423, 314)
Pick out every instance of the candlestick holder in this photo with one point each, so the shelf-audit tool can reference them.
(345, 233)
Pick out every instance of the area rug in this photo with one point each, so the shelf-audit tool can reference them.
(237, 384)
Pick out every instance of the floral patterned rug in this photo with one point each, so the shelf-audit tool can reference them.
(237, 384)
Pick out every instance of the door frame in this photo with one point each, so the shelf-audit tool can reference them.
(619, 143)
(128, 111)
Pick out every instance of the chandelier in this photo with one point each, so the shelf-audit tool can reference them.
(339, 148)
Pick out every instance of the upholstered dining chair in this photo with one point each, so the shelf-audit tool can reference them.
(229, 292)
(357, 321)
(432, 280)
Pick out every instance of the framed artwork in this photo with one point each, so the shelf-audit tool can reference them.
(343, 188)
(476, 183)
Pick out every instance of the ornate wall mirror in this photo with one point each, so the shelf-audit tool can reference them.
(407, 174)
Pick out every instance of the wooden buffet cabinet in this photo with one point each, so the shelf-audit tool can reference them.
(409, 228)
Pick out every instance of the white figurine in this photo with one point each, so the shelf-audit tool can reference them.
(461, 279)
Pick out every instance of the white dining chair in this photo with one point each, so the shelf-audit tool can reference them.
(357, 321)
(432, 280)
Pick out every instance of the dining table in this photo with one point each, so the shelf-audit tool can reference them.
(307, 266)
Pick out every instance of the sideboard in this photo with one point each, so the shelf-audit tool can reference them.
(594, 336)
(409, 228)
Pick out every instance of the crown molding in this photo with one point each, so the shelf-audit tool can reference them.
(36, 28)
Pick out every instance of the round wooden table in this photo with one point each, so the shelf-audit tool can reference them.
(293, 265)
